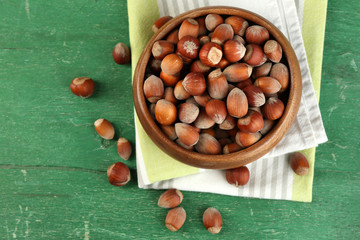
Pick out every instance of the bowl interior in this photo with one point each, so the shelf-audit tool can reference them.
(248, 154)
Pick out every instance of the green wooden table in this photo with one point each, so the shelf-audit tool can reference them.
(53, 164)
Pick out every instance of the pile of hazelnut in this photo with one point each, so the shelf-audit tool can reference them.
(216, 84)
(118, 173)
(176, 216)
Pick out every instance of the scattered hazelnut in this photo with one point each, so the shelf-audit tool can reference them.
(82, 86)
(118, 174)
(121, 53)
(212, 220)
(104, 128)
(238, 176)
(175, 219)
(124, 148)
(299, 163)
(170, 198)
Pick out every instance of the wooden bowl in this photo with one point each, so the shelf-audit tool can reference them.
(246, 155)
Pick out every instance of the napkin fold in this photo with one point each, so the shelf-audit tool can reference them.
(271, 176)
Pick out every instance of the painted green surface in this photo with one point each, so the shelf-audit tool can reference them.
(53, 164)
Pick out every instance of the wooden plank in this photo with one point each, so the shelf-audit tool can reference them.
(53, 164)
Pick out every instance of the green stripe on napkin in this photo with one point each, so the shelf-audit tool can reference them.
(313, 30)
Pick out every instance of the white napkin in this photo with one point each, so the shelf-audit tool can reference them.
(271, 176)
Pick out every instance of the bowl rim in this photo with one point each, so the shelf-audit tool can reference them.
(223, 161)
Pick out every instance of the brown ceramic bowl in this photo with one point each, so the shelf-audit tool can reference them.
(246, 155)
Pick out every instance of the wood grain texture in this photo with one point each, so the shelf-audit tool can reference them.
(53, 164)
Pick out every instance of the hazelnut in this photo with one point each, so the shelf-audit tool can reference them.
(169, 130)
(194, 83)
(243, 84)
(238, 72)
(202, 99)
(121, 53)
(222, 33)
(82, 86)
(238, 176)
(204, 39)
(189, 27)
(118, 174)
(188, 112)
(203, 121)
(168, 79)
(234, 51)
(170, 198)
(124, 148)
(247, 139)
(179, 91)
(216, 110)
(198, 66)
(160, 22)
(213, 20)
(175, 219)
(104, 128)
(162, 48)
(207, 144)
(153, 89)
(281, 73)
(254, 56)
(252, 122)
(273, 50)
(155, 65)
(217, 84)
(262, 70)
(210, 54)
(256, 34)
(173, 36)
(231, 147)
(268, 124)
(212, 220)
(255, 96)
(299, 163)
(171, 64)
(183, 145)
(238, 24)
(188, 46)
(236, 102)
(187, 134)
(165, 112)
(169, 95)
(273, 108)
(202, 27)
(268, 85)
(239, 39)
(222, 64)
(228, 124)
